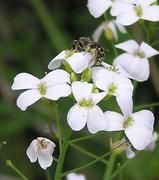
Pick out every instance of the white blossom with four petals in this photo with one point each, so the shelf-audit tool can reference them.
(113, 81)
(127, 13)
(75, 176)
(53, 86)
(78, 61)
(135, 60)
(41, 149)
(138, 126)
(85, 111)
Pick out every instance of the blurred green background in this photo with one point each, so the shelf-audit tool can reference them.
(32, 32)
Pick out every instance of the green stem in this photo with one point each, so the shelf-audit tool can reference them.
(88, 153)
(56, 37)
(111, 162)
(85, 138)
(110, 166)
(146, 106)
(48, 175)
(12, 166)
(155, 43)
(62, 156)
(120, 169)
(146, 32)
(86, 165)
(59, 127)
(135, 84)
(114, 49)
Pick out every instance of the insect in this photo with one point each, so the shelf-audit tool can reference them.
(88, 45)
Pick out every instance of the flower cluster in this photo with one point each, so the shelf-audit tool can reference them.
(79, 72)
(93, 84)
(126, 12)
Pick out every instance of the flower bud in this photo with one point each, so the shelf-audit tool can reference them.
(73, 77)
(119, 146)
(86, 75)
(67, 67)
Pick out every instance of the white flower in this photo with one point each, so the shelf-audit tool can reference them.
(75, 176)
(112, 81)
(110, 30)
(135, 60)
(78, 61)
(86, 110)
(52, 86)
(152, 144)
(131, 12)
(138, 126)
(41, 149)
(97, 8)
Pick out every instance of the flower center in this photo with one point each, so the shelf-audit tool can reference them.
(109, 33)
(139, 53)
(112, 88)
(128, 122)
(42, 88)
(42, 144)
(86, 103)
(138, 10)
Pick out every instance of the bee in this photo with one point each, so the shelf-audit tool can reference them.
(88, 45)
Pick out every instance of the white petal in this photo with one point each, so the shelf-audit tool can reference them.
(24, 81)
(103, 79)
(97, 72)
(32, 151)
(140, 132)
(97, 97)
(150, 13)
(124, 85)
(139, 137)
(145, 2)
(97, 8)
(119, 7)
(81, 90)
(137, 68)
(27, 98)
(115, 121)
(125, 103)
(127, 18)
(129, 153)
(121, 28)
(79, 61)
(148, 50)
(96, 121)
(74, 176)
(56, 77)
(77, 117)
(128, 46)
(57, 61)
(57, 91)
(144, 118)
(45, 160)
(98, 32)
